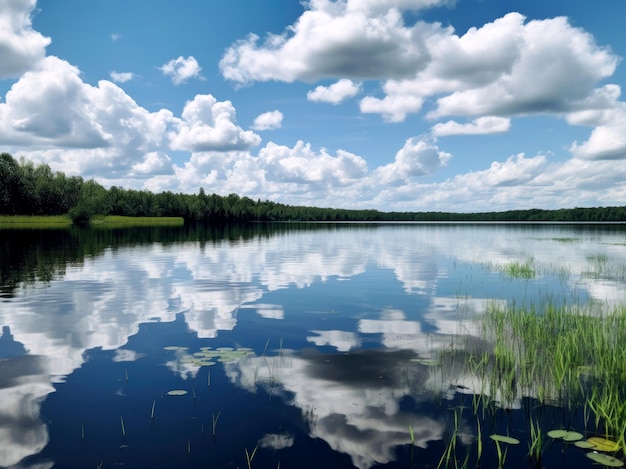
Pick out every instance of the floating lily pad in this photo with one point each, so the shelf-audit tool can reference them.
(572, 436)
(605, 459)
(584, 444)
(203, 362)
(602, 444)
(505, 439)
(565, 435)
(557, 433)
(224, 349)
(176, 392)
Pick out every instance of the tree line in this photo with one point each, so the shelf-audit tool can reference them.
(29, 189)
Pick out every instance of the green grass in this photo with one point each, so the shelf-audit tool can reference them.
(119, 221)
(34, 221)
(570, 356)
(61, 221)
(521, 270)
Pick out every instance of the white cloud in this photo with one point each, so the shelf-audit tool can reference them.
(481, 125)
(80, 128)
(550, 67)
(182, 69)
(116, 37)
(418, 157)
(608, 138)
(21, 47)
(153, 163)
(332, 39)
(335, 93)
(209, 125)
(268, 121)
(393, 108)
(121, 77)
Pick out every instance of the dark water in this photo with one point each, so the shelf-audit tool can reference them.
(297, 345)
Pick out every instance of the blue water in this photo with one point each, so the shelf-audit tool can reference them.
(327, 320)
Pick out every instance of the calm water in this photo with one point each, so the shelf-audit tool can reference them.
(307, 342)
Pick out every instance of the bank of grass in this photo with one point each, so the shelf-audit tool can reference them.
(569, 356)
(120, 221)
(38, 222)
(63, 221)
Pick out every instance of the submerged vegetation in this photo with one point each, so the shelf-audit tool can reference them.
(29, 189)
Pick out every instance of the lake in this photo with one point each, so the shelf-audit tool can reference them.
(287, 345)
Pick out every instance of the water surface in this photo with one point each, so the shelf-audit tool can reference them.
(309, 343)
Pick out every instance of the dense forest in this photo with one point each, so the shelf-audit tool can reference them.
(29, 189)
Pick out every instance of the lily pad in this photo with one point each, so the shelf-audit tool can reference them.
(572, 436)
(605, 459)
(176, 392)
(505, 439)
(557, 433)
(602, 444)
(584, 444)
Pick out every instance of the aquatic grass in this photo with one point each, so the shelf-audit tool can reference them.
(214, 419)
(250, 456)
(562, 355)
(520, 270)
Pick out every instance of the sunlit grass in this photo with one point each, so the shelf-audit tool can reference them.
(116, 220)
(522, 270)
(571, 356)
(38, 222)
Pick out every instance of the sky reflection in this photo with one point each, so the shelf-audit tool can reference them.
(337, 298)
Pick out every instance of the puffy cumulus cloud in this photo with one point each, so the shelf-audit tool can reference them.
(268, 121)
(333, 39)
(608, 138)
(481, 125)
(153, 163)
(393, 108)
(209, 125)
(181, 69)
(55, 117)
(384, 5)
(549, 67)
(335, 93)
(21, 47)
(417, 157)
(302, 165)
(121, 77)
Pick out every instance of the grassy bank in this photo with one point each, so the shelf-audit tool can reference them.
(62, 221)
(119, 221)
(24, 221)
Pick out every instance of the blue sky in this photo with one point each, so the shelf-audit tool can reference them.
(465, 105)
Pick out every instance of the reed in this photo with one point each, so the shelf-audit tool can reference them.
(570, 356)
(215, 418)
(250, 456)
(123, 427)
(152, 411)
(35, 221)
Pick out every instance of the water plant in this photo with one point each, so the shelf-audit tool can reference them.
(215, 418)
(570, 356)
(250, 456)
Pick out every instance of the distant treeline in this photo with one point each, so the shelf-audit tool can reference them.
(28, 189)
